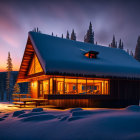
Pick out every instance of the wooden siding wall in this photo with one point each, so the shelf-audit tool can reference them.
(122, 94)
(126, 92)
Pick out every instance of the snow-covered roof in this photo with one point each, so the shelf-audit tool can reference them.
(59, 55)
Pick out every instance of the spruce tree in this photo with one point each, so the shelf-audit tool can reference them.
(36, 30)
(89, 37)
(113, 44)
(127, 51)
(9, 83)
(73, 35)
(137, 50)
(62, 36)
(16, 88)
(120, 44)
(67, 36)
(131, 53)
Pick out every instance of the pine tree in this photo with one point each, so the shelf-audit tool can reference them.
(52, 33)
(62, 36)
(127, 51)
(137, 50)
(113, 44)
(36, 30)
(73, 35)
(120, 44)
(9, 83)
(131, 53)
(67, 36)
(89, 37)
(96, 43)
(16, 88)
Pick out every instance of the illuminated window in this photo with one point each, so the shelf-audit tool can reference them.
(35, 66)
(70, 86)
(97, 87)
(91, 54)
(78, 86)
(81, 86)
(46, 86)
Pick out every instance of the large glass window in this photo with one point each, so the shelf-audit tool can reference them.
(70, 86)
(59, 85)
(35, 66)
(97, 87)
(78, 86)
(82, 86)
(46, 86)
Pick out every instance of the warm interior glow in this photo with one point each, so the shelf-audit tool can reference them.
(90, 55)
(79, 86)
(35, 66)
(62, 86)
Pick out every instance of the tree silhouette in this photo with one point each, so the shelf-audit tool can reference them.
(36, 30)
(62, 36)
(9, 83)
(89, 37)
(73, 35)
(120, 44)
(113, 43)
(131, 53)
(16, 88)
(137, 50)
(67, 36)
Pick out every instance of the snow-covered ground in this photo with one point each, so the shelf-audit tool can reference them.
(71, 124)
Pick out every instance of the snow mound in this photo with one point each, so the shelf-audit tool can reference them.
(75, 118)
(82, 113)
(76, 109)
(133, 108)
(87, 112)
(31, 114)
(17, 113)
(37, 109)
(64, 118)
(37, 118)
(5, 116)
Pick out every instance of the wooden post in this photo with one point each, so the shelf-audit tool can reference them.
(49, 86)
(86, 85)
(77, 85)
(64, 86)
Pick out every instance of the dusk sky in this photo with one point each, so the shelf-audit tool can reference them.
(108, 17)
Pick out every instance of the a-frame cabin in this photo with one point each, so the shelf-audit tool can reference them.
(74, 74)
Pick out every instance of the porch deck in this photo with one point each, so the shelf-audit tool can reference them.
(25, 99)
